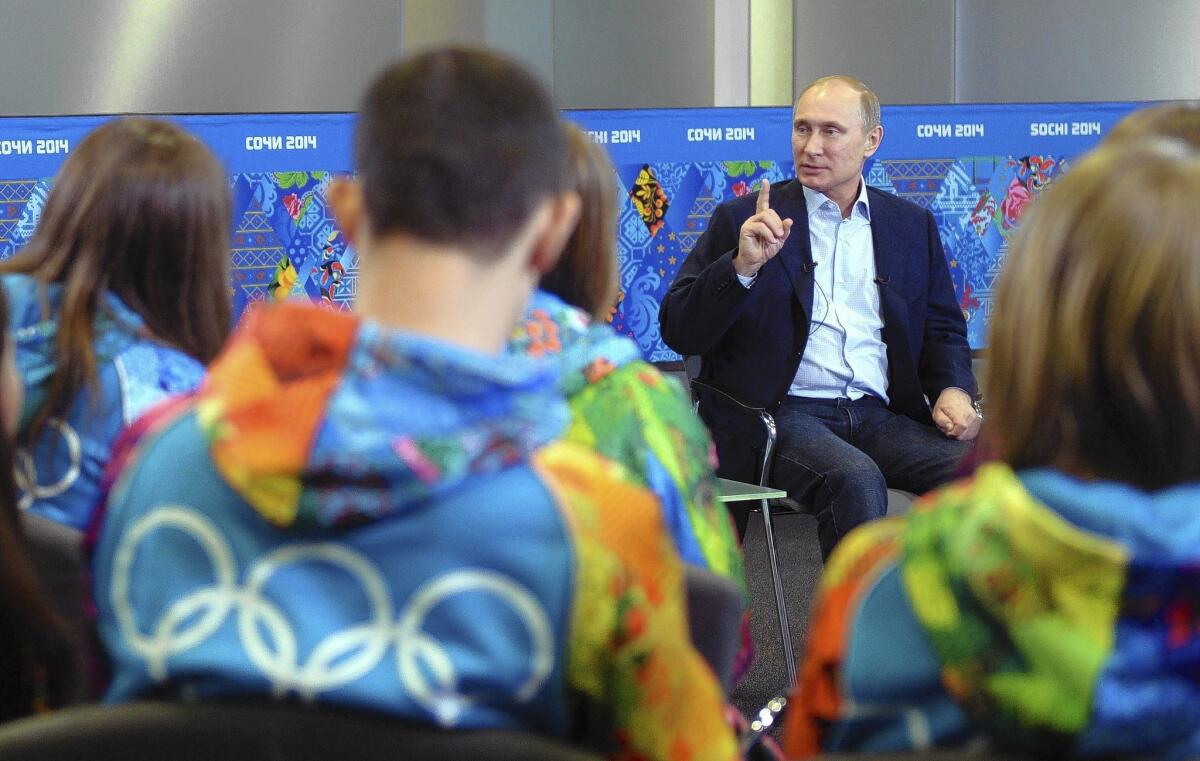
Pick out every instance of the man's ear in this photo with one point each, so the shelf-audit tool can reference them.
(345, 198)
(560, 220)
(874, 138)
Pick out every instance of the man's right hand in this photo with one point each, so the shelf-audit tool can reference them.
(762, 235)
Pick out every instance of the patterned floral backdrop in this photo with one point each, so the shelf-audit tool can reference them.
(975, 167)
(284, 240)
(975, 200)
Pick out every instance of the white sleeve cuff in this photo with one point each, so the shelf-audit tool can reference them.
(747, 281)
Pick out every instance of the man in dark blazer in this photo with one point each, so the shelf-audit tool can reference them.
(830, 304)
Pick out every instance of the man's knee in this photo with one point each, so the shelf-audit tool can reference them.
(859, 478)
(941, 466)
(853, 491)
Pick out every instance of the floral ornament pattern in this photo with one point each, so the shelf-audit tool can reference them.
(649, 200)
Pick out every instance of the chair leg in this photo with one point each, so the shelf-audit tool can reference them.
(785, 630)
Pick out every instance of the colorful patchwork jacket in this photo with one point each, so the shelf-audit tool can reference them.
(356, 516)
(1048, 614)
(631, 413)
(60, 475)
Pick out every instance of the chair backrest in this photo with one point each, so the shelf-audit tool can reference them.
(715, 620)
(57, 553)
(257, 732)
(675, 371)
(58, 559)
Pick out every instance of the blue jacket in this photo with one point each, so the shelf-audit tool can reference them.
(60, 475)
(373, 519)
(1051, 615)
(751, 340)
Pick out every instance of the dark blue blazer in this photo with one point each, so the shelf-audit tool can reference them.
(751, 340)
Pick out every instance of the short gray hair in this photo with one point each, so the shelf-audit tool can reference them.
(868, 108)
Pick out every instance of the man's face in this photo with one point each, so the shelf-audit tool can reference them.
(829, 144)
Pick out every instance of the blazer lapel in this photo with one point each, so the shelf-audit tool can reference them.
(889, 263)
(796, 255)
(889, 274)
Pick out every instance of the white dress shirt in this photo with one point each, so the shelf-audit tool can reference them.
(845, 356)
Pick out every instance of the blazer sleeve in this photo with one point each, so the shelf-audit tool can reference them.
(945, 359)
(706, 297)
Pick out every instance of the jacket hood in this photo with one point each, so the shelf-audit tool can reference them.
(1045, 596)
(584, 350)
(318, 418)
(1161, 527)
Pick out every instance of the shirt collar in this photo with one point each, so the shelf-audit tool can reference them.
(862, 208)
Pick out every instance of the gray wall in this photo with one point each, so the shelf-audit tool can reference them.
(611, 54)
(521, 28)
(996, 51)
(633, 53)
(1068, 50)
(903, 49)
(83, 56)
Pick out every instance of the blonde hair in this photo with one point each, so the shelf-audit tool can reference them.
(1173, 120)
(586, 273)
(1095, 345)
(869, 101)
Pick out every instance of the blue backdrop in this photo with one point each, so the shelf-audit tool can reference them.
(974, 166)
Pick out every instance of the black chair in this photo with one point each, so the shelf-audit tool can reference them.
(163, 731)
(701, 389)
(58, 560)
(714, 606)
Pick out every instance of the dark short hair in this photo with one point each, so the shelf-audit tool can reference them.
(458, 145)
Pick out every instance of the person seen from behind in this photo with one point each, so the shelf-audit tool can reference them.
(118, 301)
(621, 404)
(387, 494)
(39, 666)
(1047, 603)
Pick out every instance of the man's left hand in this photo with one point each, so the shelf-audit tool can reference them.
(955, 416)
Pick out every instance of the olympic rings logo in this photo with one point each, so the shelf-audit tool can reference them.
(341, 657)
(26, 474)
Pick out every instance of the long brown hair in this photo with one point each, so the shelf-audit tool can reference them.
(586, 273)
(38, 667)
(140, 209)
(1094, 350)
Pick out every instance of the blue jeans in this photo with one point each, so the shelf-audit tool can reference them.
(837, 457)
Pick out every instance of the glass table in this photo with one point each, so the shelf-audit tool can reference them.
(736, 491)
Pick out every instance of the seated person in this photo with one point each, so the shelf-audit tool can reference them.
(620, 404)
(829, 303)
(119, 300)
(38, 669)
(1048, 602)
(381, 510)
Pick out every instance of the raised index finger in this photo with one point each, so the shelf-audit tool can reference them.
(764, 196)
